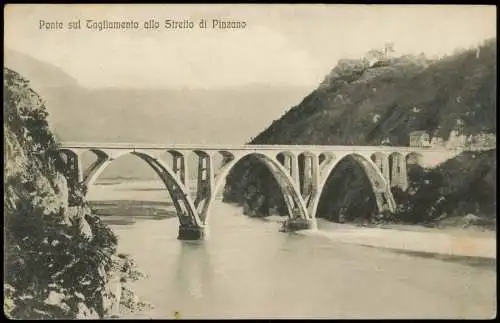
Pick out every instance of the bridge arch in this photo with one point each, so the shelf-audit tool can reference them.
(282, 156)
(378, 154)
(221, 160)
(414, 158)
(381, 160)
(104, 158)
(326, 158)
(395, 157)
(186, 212)
(379, 184)
(288, 187)
(99, 153)
(175, 153)
(227, 156)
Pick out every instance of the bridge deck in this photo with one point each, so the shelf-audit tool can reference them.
(221, 147)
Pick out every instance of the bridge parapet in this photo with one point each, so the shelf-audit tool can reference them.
(431, 156)
(221, 147)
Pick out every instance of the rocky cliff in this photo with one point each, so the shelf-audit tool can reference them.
(59, 257)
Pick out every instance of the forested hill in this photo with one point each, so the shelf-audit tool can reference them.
(365, 102)
(380, 99)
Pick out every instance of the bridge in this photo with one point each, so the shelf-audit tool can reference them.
(301, 186)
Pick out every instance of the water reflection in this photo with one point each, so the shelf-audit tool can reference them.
(191, 279)
(193, 270)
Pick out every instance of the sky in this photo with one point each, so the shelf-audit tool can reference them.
(292, 44)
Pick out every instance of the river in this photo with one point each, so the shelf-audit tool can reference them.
(248, 269)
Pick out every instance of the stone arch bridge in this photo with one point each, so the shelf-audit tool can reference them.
(384, 166)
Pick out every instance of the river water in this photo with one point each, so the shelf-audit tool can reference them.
(248, 269)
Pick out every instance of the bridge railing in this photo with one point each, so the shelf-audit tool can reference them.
(219, 147)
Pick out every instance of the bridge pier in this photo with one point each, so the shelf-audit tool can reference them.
(192, 233)
(297, 224)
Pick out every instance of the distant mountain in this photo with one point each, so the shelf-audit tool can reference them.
(203, 116)
(40, 74)
(169, 115)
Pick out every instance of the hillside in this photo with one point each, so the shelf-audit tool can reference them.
(360, 103)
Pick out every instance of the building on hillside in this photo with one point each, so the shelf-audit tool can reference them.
(419, 138)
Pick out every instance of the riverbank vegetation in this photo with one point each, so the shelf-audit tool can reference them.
(381, 99)
(60, 259)
(462, 187)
